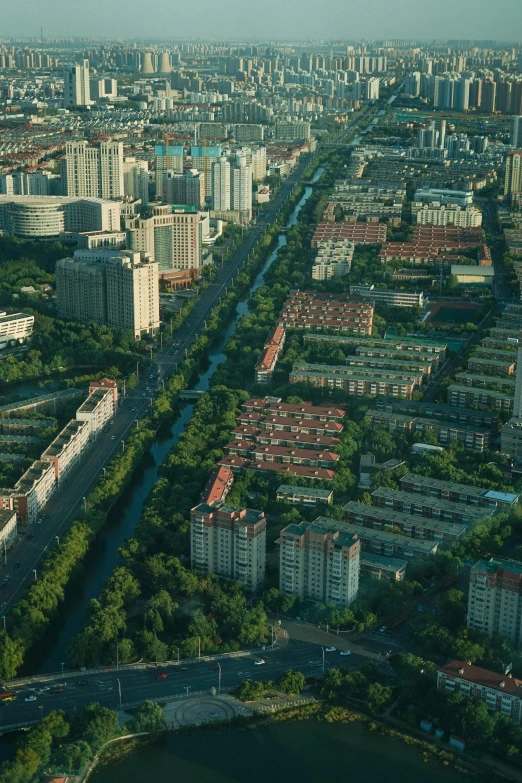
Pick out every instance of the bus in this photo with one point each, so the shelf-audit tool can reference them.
(6, 696)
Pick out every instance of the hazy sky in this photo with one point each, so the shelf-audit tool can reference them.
(266, 19)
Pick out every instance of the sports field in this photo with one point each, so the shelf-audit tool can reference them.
(459, 313)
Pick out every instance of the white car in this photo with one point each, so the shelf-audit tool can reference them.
(259, 662)
(30, 698)
(383, 629)
(329, 649)
(345, 652)
(113, 437)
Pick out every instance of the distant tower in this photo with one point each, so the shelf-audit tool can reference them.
(147, 66)
(164, 63)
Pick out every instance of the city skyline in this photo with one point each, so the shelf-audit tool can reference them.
(279, 22)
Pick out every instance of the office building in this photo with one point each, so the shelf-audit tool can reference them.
(319, 563)
(495, 598)
(48, 217)
(513, 179)
(104, 89)
(94, 172)
(15, 328)
(118, 289)
(229, 542)
(221, 189)
(76, 85)
(170, 235)
(499, 692)
(516, 132)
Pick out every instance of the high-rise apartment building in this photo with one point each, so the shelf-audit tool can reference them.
(495, 598)
(118, 289)
(221, 185)
(171, 235)
(187, 188)
(516, 132)
(229, 542)
(513, 180)
(76, 85)
(104, 89)
(136, 179)
(167, 158)
(241, 190)
(203, 159)
(319, 563)
(94, 172)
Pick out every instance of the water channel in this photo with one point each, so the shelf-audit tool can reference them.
(102, 558)
(309, 751)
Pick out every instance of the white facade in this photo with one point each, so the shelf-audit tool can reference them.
(97, 410)
(241, 190)
(390, 298)
(319, 564)
(495, 598)
(116, 288)
(15, 327)
(95, 172)
(516, 132)
(66, 449)
(170, 235)
(46, 217)
(76, 85)
(8, 528)
(435, 214)
(513, 180)
(136, 179)
(221, 185)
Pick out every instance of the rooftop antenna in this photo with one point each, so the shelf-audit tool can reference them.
(41, 36)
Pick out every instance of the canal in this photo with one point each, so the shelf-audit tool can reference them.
(122, 519)
(311, 751)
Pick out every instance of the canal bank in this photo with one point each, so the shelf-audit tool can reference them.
(72, 615)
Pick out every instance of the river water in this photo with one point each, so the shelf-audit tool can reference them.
(309, 751)
(122, 520)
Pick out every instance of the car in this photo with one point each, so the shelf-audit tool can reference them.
(162, 676)
(259, 662)
(58, 690)
(7, 578)
(17, 565)
(112, 421)
(30, 698)
(345, 652)
(329, 649)
(44, 688)
(383, 629)
(82, 683)
(113, 437)
(215, 668)
(183, 669)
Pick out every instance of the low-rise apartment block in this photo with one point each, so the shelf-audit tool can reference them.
(500, 692)
(218, 485)
(488, 499)
(357, 381)
(480, 398)
(15, 328)
(374, 346)
(267, 361)
(478, 364)
(319, 563)
(433, 410)
(429, 508)
(230, 542)
(317, 311)
(495, 598)
(379, 567)
(97, 410)
(8, 528)
(389, 298)
(404, 363)
(304, 496)
(334, 259)
(390, 521)
(359, 233)
(31, 492)
(273, 406)
(511, 437)
(495, 382)
(380, 542)
(67, 448)
(300, 440)
(446, 215)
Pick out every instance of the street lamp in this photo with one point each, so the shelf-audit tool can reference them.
(187, 688)
(41, 711)
(58, 539)
(137, 371)
(35, 575)
(322, 648)
(119, 690)
(3, 618)
(62, 665)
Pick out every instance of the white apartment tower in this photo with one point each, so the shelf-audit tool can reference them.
(76, 85)
(118, 289)
(495, 598)
(94, 172)
(319, 563)
(136, 179)
(221, 185)
(170, 235)
(241, 190)
(513, 180)
(516, 132)
(229, 542)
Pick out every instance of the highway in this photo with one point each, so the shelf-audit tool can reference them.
(302, 652)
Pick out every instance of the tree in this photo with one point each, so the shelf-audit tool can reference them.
(72, 757)
(11, 656)
(99, 724)
(249, 690)
(378, 695)
(291, 682)
(149, 718)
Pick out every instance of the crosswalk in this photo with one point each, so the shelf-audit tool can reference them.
(104, 685)
(384, 640)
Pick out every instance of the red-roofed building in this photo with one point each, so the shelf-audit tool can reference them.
(317, 474)
(500, 692)
(105, 383)
(218, 485)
